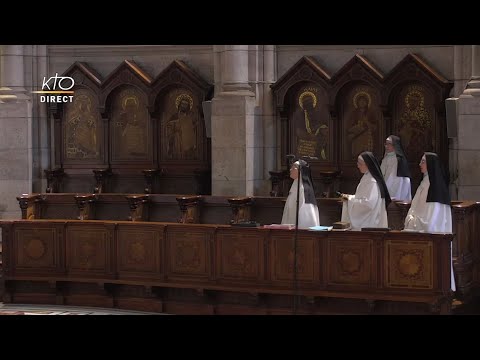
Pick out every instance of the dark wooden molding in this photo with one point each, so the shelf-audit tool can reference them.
(190, 209)
(138, 209)
(86, 207)
(54, 180)
(241, 209)
(29, 205)
(101, 177)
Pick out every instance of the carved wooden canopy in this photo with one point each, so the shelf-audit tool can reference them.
(132, 120)
(336, 117)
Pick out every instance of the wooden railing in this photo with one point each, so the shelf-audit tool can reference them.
(264, 210)
(221, 269)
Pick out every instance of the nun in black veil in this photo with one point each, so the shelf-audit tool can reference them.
(395, 170)
(431, 210)
(308, 214)
(368, 207)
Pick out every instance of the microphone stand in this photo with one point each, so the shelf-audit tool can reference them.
(295, 238)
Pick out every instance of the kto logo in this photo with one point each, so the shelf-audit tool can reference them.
(57, 85)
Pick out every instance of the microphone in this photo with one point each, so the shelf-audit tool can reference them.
(309, 158)
(290, 159)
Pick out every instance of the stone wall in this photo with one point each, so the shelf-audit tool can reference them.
(468, 153)
(152, 58)
(15, 130)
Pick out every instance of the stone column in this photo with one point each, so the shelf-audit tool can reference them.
(233, 110)
(235, 70)
(42, 124)
(12, 74)
(468, 130)
(15, 132)
(473, 86)
(269, 126)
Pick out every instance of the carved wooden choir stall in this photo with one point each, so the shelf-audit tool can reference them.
(113, 230)
(220, 269)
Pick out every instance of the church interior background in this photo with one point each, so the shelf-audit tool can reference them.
(193, 133)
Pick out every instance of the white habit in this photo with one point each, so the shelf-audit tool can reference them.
(308, 213)
(399, 188)
(367, 207)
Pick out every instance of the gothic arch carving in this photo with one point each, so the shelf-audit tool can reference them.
(304, 113)
(357, 94)
(124, 108)
(79, 129)
(128, 72)
(357, 69)
(177, 96)
(415, 94)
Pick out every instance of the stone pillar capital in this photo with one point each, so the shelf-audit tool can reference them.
(473, 86)
(235, 71)
(12, 78)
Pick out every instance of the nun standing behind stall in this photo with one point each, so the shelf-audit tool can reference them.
(395, 170)
(308, 214)
(368, 207)
(430, 210)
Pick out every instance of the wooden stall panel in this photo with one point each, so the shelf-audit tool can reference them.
(282, 259)
(139, 251)
(240, 255)
(188, 253)
(36, 248)
(89, 250)
(409, 264)
(350, 262)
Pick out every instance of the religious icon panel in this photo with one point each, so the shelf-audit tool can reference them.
(361, 122)
(311, 123)
(83, 131)
(131, 126)
(182, 137)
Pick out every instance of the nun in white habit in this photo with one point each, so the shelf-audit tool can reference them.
(395, 170)
(430, 210)
(308, 210)
(368, 207)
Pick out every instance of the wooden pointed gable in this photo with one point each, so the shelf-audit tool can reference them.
(357, 69)
(179, 74)
(306, 69)
(84, 77)
(127, 73)
(413, 68)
